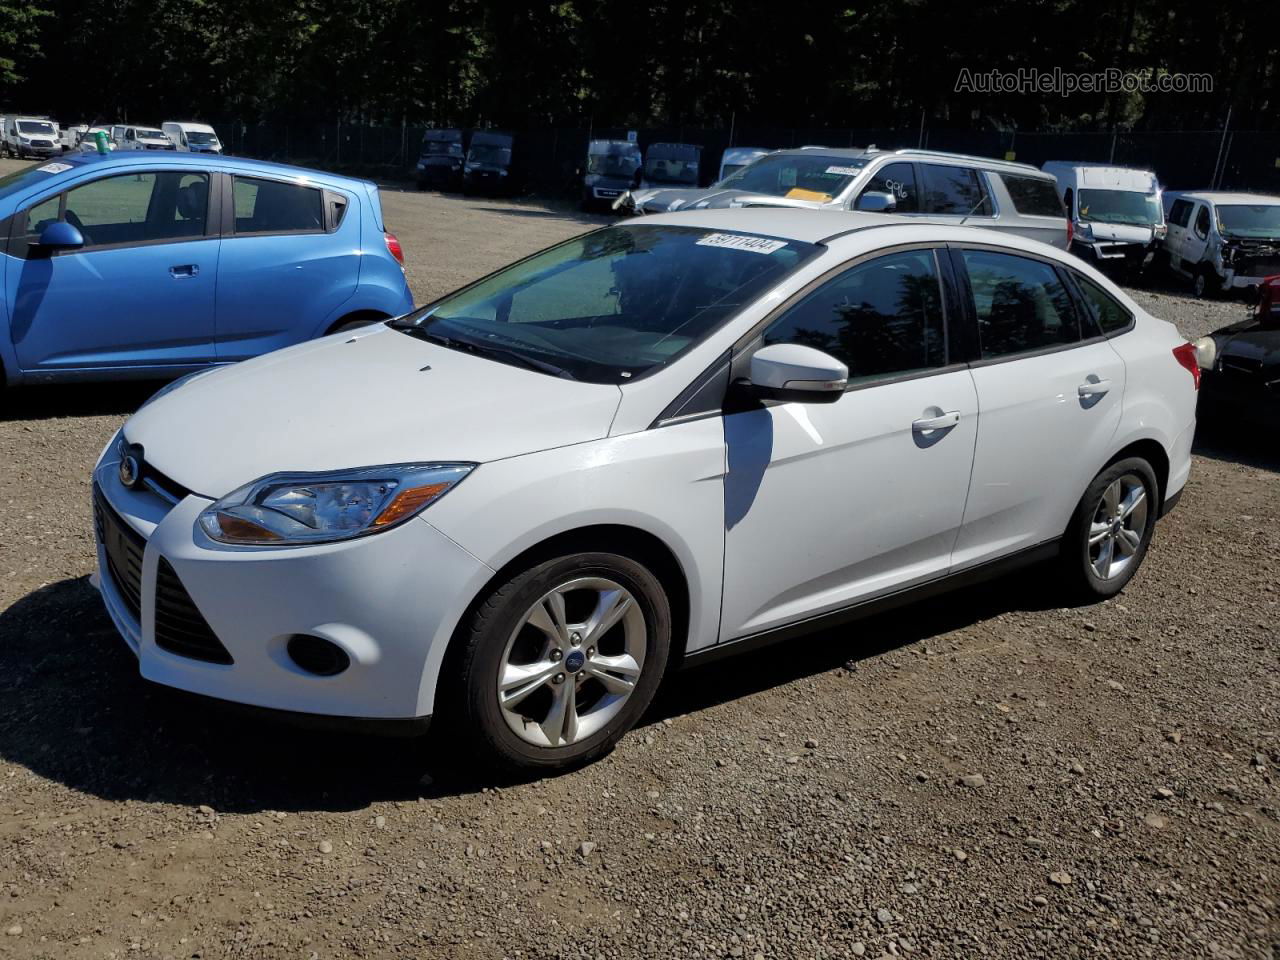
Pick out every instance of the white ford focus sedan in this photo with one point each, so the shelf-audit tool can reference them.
(668, 440)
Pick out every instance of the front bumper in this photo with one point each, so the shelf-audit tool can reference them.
(1114, 250)
(390, 601)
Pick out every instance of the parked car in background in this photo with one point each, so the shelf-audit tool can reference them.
(441, 158)
(611, 169)
(670, 165)
(192, 137)
(1240, 384)
(1116, 215)
(30, 138)
(89, 139)
(943, 187)
(1222, 241)
(147, 265)
(511, 510)
(69, 137)
(141, 138)
(489, 166)
(735, 158)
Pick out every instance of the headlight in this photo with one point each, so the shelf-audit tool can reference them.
(1206, 352)
(1161, 231)
(300, 508)
(1084, 232)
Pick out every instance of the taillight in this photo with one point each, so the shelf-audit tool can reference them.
(1185, 354)
(1071, 231)
(393, 247)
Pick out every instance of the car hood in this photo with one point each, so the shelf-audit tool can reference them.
(366, 398)
(713, 198)
(1122, 232)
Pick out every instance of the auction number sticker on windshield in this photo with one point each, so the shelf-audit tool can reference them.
(734, 241)
(54, 167)
(844, 171)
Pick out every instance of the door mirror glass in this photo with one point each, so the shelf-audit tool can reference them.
(875, 202)
(796, 373)
(61, 235)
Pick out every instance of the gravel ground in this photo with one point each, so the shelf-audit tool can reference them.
(992, 775)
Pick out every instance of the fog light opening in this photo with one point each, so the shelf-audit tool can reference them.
(317, 656)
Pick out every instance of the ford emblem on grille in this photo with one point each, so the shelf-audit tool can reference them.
(129, 470)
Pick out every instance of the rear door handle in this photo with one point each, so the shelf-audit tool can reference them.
(1094, 388)
(943, 422)
(185, 270)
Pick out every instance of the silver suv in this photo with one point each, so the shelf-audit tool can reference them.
(942, 187)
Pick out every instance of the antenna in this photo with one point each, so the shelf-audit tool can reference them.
(973, 210)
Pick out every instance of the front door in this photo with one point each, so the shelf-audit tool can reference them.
(139, 293)
(829, 504)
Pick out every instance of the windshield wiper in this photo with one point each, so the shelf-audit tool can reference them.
(484, 349)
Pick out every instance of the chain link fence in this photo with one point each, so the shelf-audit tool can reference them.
(552, 157)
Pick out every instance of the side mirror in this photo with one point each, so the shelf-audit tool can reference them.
(874, 202)
(61, 235)
(796, 373)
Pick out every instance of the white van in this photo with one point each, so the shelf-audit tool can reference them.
(129, 137)
(1115, 212)
(30, 138)
(192, 137)
(1222, 241)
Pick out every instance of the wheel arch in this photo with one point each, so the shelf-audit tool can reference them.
(628, 541)
(357, 316)
(1151, 450)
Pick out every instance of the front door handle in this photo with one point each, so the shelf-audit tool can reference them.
(184, 270)
(943, 422)
(1093, 388)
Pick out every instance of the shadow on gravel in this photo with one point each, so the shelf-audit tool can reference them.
(1219, 439)
(76, 400)
(73, 709)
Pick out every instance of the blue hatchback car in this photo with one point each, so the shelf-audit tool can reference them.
(138, 265)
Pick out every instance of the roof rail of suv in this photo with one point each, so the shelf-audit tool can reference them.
(985, 161)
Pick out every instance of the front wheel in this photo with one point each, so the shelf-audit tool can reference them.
(559, 662)
(1206, 284)
(1111, 529)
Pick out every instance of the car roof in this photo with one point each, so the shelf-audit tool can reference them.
(126, 158)
(823, 226)
(1218, 196)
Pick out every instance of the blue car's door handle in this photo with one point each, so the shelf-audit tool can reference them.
(185, 270)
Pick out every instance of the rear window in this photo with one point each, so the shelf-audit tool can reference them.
(1033, 196)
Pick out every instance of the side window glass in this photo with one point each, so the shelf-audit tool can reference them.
(1021, 305)
(140, 208)
(40, 216)
(899, 181)
(1202, 222)
(880, 318)
(271, 206)
(954, 190)
(1111, 315)
(1033, 196)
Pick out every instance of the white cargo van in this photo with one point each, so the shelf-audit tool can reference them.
(30, 138)
(192, 137)
(1116, 216)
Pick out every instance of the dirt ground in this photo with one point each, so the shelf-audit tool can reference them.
(990, 775)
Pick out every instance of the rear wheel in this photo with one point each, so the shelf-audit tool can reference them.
(560, 661)
(1206, 284)
(1111, 529)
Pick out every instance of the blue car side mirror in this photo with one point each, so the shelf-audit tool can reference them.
(61, 235)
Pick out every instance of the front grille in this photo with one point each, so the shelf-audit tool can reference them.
(180, 627)
(124, 547)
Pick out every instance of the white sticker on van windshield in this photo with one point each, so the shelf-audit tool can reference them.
(844, 171)
(54, 167)
(735, 241)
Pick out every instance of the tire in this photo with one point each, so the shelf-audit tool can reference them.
(510, 633)
(1088, 574)
(1206, 284)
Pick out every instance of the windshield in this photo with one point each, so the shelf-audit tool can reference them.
(441, 148)
(490, 153)
(149, 134)
(1259, 220)
(201, 137)
(37, 126)
(667, 170)
(613, 304)
(1120, 206)
(805, 176)
(613, 164)
(729, 169)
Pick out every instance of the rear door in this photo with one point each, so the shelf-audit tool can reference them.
(1050, 390)
(139, 293)
(290, 259)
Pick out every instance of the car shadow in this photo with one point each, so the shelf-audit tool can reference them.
(74, 709)
(76, 400)
(1249, 446)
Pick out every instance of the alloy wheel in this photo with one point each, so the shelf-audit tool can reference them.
(572, 662)
(1118, 525)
